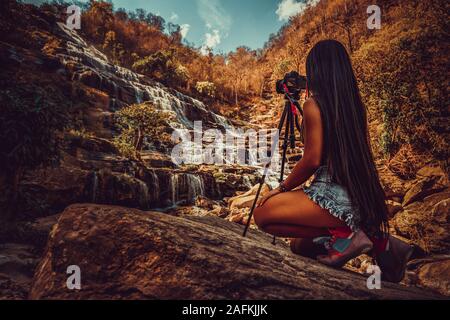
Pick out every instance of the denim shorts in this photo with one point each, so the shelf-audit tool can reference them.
(333, 197)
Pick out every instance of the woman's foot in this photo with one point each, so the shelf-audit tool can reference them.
(392, 258)
(345, 246)
(306, 247)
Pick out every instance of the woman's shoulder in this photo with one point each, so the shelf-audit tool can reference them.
(311, 107)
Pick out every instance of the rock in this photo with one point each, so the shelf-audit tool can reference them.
(245, 200)
(155, 159)
(17, 264)
(432, 273)
(129, 254)
(429, 171)
(53, 189)
(220, 211)
(394, 187)
(204, 202)
(427, 223)
(425, 187)
(393, 208)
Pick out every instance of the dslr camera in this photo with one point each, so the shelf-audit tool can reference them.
(293, 82)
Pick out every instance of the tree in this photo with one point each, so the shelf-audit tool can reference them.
(164, 67)
(137, 122)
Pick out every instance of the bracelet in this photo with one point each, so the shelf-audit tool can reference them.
(282, 187)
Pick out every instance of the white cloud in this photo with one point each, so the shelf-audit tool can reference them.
(213, 14)
(211, 41)
(289, 8)
(174, 16)
(217, 21)
(184, 29)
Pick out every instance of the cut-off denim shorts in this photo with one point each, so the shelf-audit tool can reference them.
(332, 197)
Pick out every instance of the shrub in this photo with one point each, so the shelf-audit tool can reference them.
(137, 123)
(206, 88)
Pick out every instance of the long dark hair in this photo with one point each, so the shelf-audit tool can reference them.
(349, 158)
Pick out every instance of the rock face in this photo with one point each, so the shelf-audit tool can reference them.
(427, 222)
(431, 272)
(130, 254)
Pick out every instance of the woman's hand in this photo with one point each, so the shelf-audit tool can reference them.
(272, 193)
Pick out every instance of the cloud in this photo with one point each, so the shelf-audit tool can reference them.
(174, 16)
(217, 21)
(289, 8)
(211, 41)
(184, 29)
(213, 14)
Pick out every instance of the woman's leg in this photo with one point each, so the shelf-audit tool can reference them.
(293, 215)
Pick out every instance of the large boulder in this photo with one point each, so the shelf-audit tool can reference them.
(423, 188)
(130, 254)
(431, 272)
(427, 222)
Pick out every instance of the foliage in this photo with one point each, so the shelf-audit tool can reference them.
(137, 123)
(31, 114)
(163, 66)
(206, 88)
(402, 78)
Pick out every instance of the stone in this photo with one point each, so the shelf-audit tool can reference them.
(245, 200)
(423, 188)
(426, 222)
(431, 272)
(130, 254)
(393, 208)
(17, 263)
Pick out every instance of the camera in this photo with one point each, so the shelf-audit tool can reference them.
(294, 83)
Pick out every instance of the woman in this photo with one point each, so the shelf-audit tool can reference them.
(344, 205)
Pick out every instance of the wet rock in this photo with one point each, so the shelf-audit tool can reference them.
(129, 254)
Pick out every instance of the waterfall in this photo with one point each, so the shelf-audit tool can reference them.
(133, 85)
(185, 187)
(94, 186)
(155, 186)
(144, 200)
(195, 186)
(174, 188)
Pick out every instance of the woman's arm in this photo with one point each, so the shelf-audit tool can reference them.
(313, 147)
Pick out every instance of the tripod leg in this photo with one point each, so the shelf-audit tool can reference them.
(291, 130)
(263, 178)
(285, 145)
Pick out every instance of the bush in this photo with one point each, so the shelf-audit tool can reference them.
(164, 67)
(138, 123)
(206, 88)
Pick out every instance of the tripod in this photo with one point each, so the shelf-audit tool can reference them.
(288, 119)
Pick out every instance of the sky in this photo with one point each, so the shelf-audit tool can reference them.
(222, 25)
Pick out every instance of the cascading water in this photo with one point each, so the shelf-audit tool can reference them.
(195, 186)
(185, 187)
(155, 190)
(174, 188)
(94, 186)
(144, 199)
(119, 82)
(124, 87)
